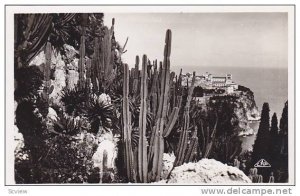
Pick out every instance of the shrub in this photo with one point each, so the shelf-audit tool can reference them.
(29, 81)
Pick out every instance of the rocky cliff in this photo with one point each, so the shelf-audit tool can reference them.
(246, 110)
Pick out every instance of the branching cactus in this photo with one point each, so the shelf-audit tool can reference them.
(163, 123)
(183, 140)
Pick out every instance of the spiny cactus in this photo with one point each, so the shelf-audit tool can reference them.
(48, 88)
(97, 66)
(192, 149)
(183, 140)
(135, 76)
(81, 62)
(88, 74)
(126, 115)
(142, 149)
(157, 142)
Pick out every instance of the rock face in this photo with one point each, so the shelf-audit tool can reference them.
(168, 161)
(64, 68)
(246, 110)
(207, 171)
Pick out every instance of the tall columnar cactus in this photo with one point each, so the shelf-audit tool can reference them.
(142, 149)
(183, 140)
(88, 74)
(81, 62)
(97, 65)
(192, 149)
(135, 75)
(126, 115)
(48, 88)
(162, 126)
(154, 91)
(106, 54)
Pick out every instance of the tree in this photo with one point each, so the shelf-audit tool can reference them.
(260, 148)
(283, 142)
(274, 138)
(274, 145)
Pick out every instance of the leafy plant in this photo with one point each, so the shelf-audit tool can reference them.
(101, 115)
(29, 82)
(75, 101)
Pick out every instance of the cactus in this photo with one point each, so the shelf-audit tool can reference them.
(208, 137)
(182, 145)
(81, 81)
(88, 74)
(271, 178)
(107, 56)
(260, 179)
(48, 88)
(255, 176)
(157, 142)
(192, 150)
(136, 76)
(142, 149)
(97, 66)
(129, 159)
(154, 92)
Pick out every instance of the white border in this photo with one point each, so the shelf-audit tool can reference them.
(137, 9)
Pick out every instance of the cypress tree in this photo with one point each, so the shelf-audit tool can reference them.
(274, 144)
(283, 141)
(261, 144)
(274, 137)
(260, 150)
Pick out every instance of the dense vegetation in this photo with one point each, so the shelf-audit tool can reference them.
(147, 112)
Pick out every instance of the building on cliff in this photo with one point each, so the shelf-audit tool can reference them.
(209, 81)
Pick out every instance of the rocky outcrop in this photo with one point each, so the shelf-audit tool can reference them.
(246, 110)
(64, 70)
(168, 162)
(207, 171)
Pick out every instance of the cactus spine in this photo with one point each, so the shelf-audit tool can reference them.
(142, 150)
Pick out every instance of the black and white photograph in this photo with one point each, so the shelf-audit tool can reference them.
(155, 95)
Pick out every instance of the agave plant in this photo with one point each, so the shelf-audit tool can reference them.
(101, 113)
(75, 101)
(69, 125)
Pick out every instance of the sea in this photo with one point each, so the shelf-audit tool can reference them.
(268, 85)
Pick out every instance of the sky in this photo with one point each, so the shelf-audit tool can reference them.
(206, 39)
